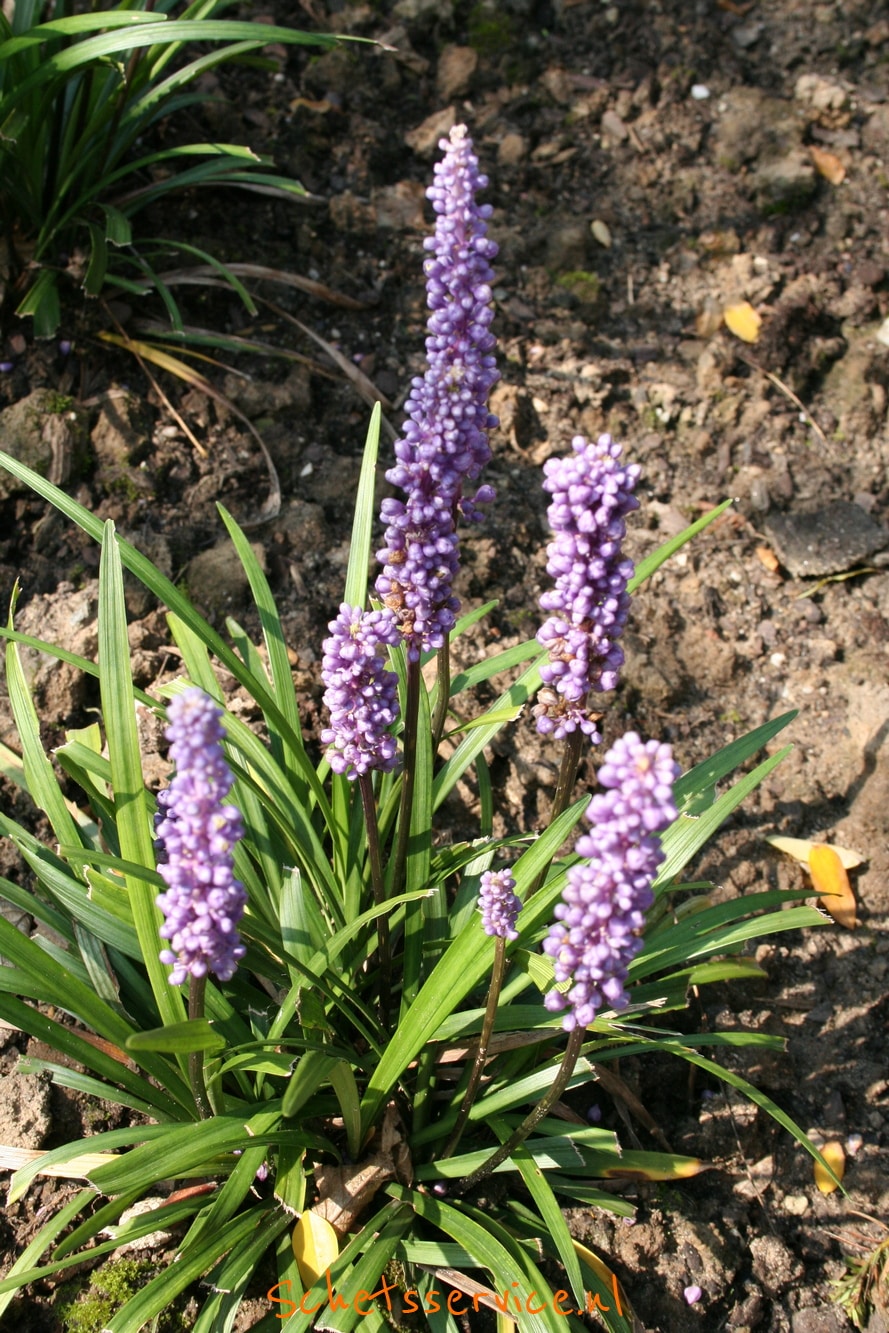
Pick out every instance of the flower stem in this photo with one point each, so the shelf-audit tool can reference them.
(443, 668)
(481, 1055)
(564, 788)
(365, 786)
(562, 1079)
(411, 715)
(197, 987)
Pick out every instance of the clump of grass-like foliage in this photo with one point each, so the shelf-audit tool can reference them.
(79, 95)
(381, 1108)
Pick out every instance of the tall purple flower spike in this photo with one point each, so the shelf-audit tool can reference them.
(499, 904)
(445, 440)
(361, 693)
(596, 934)
(592, 494)
(196, 836)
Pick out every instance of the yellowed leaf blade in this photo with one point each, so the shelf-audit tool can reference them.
(315, 1247)
(799, 849)
(743, 321)
(828, 165)
(609, 1280)
(655, 1166)
(835, 1158)
(12, 1159)
(832, 885)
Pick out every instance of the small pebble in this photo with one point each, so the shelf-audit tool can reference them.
(796, 1205)
(700, 92)
(601, 232)
(854, 1144)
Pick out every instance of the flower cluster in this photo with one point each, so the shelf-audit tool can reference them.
(596, 933)
(361, 694)
(499, 904)
(445, 441)
(196, 835)
(592, 494)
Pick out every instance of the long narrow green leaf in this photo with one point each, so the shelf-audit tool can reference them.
(653, 562)
(493, 665)
(58, 1223)
(231, 1276)
(696, 789)
(702, 942)
(357, 1270)
(511, 1268)
(133, 820)
(144, 32)
(64, 1077)
(165, 590)
(462, 967)
(279, 663)
(551, 1214)
(688, 834)
(135, 1230)
(753, 1094)
(59, 986)
(42, 783)
(65, 1041)
(506, 708)
(156, 1295)
(355, 591)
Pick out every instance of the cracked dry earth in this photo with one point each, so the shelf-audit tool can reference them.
(651, 165)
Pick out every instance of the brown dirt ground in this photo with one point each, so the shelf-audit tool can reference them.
(694, 134)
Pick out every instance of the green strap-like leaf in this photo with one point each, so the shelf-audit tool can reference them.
(133, 820)
(355, 591)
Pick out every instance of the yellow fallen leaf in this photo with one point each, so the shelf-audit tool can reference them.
(315, 1247)
(832, 885)
(743, 321)
(836, 1159)
(827, 164)
(799, 849)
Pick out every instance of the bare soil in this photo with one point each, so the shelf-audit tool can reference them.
(651, 163)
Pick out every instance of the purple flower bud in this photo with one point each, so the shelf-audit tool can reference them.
(362, 693)
(499, 904)
(592, 494)
(197, 833)
(445, 441)
(692, 1294)
(597, 932)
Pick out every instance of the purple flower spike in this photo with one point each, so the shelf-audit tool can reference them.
(445, 441)
(596, 935)
(499, 904)
(196, 835)
(592, 494)
(362, 693)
